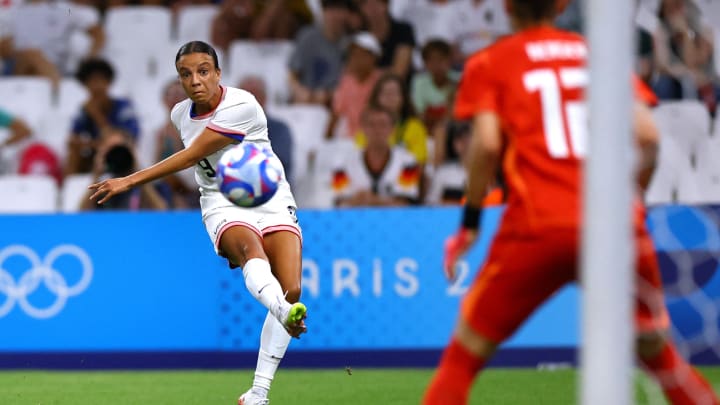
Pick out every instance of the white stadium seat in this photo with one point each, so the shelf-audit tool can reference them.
(29, 98)
(194, 22)
(28, 194)
(134, 34)
(265, 59)
(138, 26)
(55, 131)
(707, 167)
(71, 96)
(686, 122)
(307, 124)
(74, 189)
(684, 128)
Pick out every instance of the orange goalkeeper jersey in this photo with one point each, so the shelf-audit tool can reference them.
(534, 81)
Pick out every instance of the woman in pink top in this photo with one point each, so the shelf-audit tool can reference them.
(356, 84)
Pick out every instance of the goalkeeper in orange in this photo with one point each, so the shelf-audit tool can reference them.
(523, 95)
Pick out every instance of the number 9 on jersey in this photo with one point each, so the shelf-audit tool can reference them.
(247, 175)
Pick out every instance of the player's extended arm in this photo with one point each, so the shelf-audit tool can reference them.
(646, 138)
(482, 164)
(207, 143)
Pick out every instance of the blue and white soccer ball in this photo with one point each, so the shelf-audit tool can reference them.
(248, 175)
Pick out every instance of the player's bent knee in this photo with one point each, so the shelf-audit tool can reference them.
(649, 344)
(477, 344)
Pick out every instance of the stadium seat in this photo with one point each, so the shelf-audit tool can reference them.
(194, 22)
(74, 189)
(686, 122)
(134, 36)
(138, 26)
(429, 20)
(267, 59)
(71, 96)
(26, 97)
(55, 129)
(683, 127)
(307, 124)
(28, 194)
(707, 167)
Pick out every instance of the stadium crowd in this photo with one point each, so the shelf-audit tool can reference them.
(357, 92)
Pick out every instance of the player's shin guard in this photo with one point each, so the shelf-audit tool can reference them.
(274, 341)
(455, 374)
(681, 384)
(261, 283)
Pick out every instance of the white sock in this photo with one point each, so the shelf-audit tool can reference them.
(274, 341)
(261, 283)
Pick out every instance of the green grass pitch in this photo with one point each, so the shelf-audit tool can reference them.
(291, 386)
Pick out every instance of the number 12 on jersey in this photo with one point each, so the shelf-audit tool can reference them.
(559, 114)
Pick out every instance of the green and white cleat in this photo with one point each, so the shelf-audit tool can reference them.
(295, 320)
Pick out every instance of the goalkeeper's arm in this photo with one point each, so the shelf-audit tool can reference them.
(646, 139)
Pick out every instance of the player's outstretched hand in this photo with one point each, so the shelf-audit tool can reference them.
(455, 247)
(106, 189)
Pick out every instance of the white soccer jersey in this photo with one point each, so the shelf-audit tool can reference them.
(238, 116)
(400, 178)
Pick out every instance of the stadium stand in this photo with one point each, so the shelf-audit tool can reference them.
(267, 59)
(28, 194)
(74, 189)
(31, 98)
(142, 41)
(194, 22)
(305, 122)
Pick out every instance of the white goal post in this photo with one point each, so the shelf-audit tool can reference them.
(606, 357)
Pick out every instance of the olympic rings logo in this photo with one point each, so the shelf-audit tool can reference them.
(40, 273)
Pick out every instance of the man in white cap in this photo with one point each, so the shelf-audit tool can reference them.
(356, 83)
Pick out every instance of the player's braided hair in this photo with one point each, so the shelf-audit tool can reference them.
(534, 10)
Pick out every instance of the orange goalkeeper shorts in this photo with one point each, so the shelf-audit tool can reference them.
(521, 272)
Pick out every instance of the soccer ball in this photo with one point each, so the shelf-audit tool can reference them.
(248, 175)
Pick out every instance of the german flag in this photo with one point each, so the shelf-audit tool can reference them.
(340, 180)
(409, 176)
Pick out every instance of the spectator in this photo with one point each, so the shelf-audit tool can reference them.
(684, 54)
(28, 62)
(99, 114)
(378, 175)
(448, 179)
(49, 29)
(316, 62)
(259, 20)
(175, 188)
(18, 131)
(644, 55)
(476, 24)
(432, 90)
(116, 157)
(409, 132)
(396, 38)
(358, 79)
(281, 139)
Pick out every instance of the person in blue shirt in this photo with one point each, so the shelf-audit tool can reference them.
(99, 114)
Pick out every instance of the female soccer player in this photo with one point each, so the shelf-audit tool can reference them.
(264, 241)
